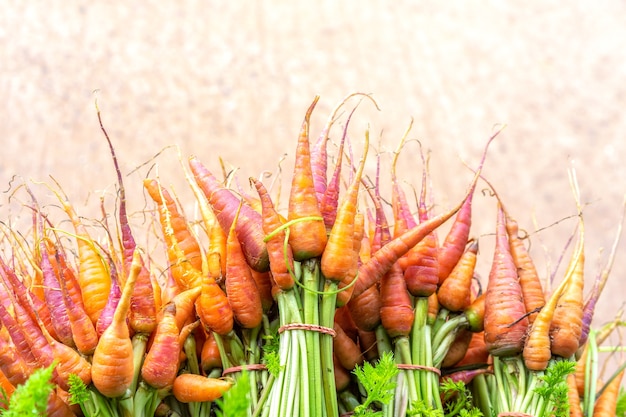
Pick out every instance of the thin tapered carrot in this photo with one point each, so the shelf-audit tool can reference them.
(338, 257)
(19, 337)
(368, 343)
(505, 313)
(263, 281)
(224, 204)
(213, 308)
(115, 293)
(184, 303)
(54, 299)
(198, 388)
(396, 311)
(160, 365)
(330, 200)
(307, 236)
(183, 250)
(319, 162)
(7, 388)
(575, 409)
(12, 364)
(606, 403)
(344, 319)
(93, 274)
(59, 261)
(381, 261)
(454, 292)
(84, 335)
(243, 295)
(26, 297)
(403, 218)
(112, 368)
(345, 349)
(345, 286)
(279, 253)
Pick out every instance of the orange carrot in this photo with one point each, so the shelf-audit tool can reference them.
(342, 376)
(210, 357)
(505, 313)
(573, 396)
(160, 365)
(345, 285)
(346, 350)
(381, 261)
(93, 274)
(396, 311)
(243, 295)
(184, 303)
(197, 388)
(263, 281)
(454, 292)
(339, 256)
(112, 369)
(6, 386)
(307, 237)
(607, 401)
(365, 309)
(183, 250)
(12, 364)
(477, 352)
(279, 253)
(369, 345)
(212, 306)
(224, 203)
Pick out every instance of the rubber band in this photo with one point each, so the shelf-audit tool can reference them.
(411, 367)
(310, 327)
(251, 367)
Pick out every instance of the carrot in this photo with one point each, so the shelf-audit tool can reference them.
(606, 403)
(210, 357)
(454, 292)
(505, 319)
(307, 237)
(183, 250)
(243, 295)
(345, 285)
(573, 396)
(466, 376)
(197, 388)
(279, 253)
(184, 303)
(57, 407)
(93, 274)
(338, 257)
(476, 353)
(224, 203)
(12, 364)
(115, 293)
(342, 376)
(213, 307)
(112, 369)
(368, 344)
(160, 365)
(263, 281)
(403, 219)
(319, 153)
(475, 314)
(396, 311)
(365, 309)
(7, 388)
(84, 335)
(18, 336)
(346, 350)
(458, 349)
(381, 261)
(143, 307)
(329, 202)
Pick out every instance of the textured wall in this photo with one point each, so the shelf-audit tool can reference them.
(233, 79)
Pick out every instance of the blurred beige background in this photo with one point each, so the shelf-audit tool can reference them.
(232, 80)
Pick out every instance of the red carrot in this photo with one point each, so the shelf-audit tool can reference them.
(160, 365)
(396, 311)
(505, 312)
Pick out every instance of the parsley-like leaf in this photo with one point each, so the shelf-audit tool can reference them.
(553, 386)
(378, 382)
(236, 401)
(620, 410)
(31, 397)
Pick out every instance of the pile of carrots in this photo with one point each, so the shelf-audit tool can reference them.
(285, 308)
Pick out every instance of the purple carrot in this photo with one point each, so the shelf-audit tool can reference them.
(249, 228)
(16, 333)
(330, 199)
(466, 376)
(115, 293)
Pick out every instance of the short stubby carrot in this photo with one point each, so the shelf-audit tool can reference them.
(213, 308)
(365, 309)
(307, 237)
(198, 388)
(112, 368)
(505, 313)
(396, 311)
(160, 365)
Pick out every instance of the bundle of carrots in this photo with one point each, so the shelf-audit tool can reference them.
(328, 309)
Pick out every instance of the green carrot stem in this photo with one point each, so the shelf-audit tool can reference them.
(140, 343)
(327, 319)
(313, 385)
